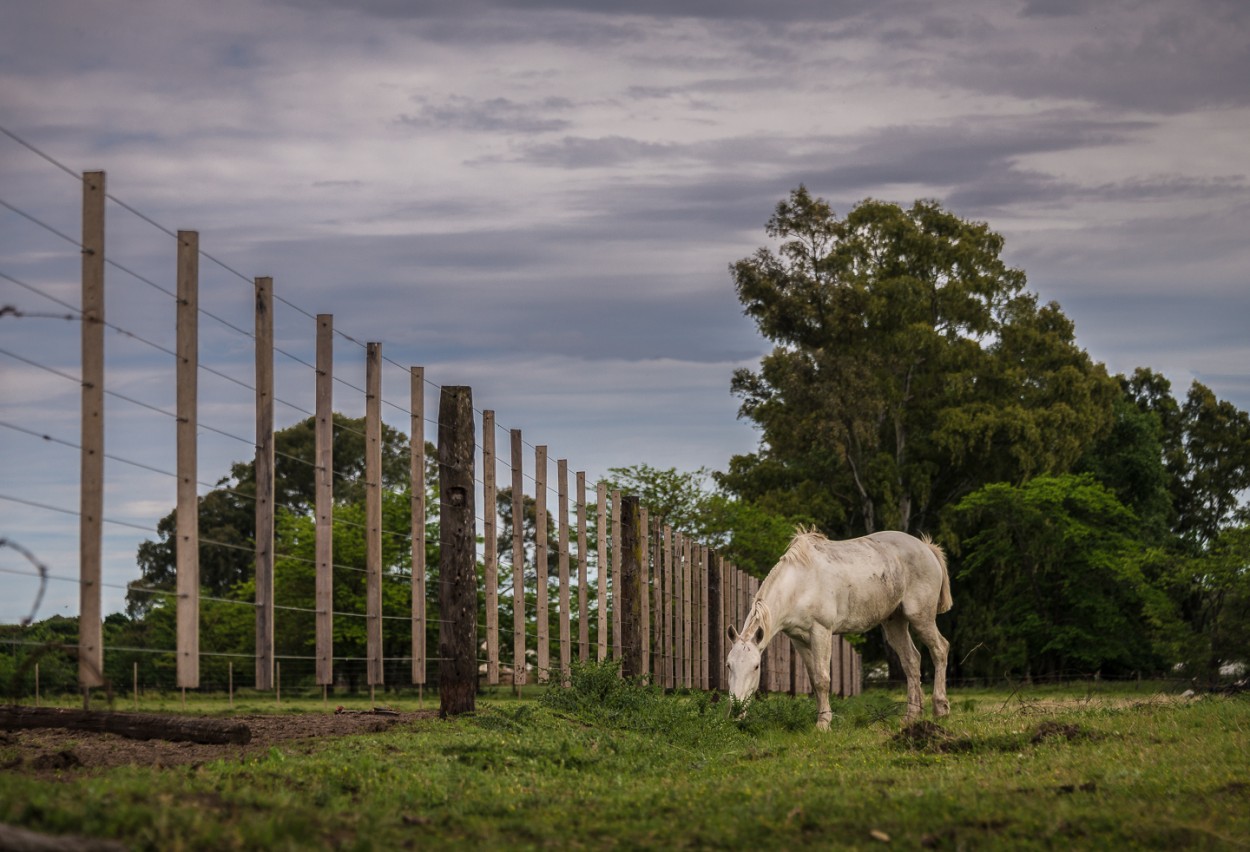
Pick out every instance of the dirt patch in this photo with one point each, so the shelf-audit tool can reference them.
(931, 738)
(43, 751)
(925, 736)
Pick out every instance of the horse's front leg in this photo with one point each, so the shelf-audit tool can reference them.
(818, 657)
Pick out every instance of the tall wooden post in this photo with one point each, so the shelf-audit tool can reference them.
(324, 496)
(264, 484)
(416, 480)
(373, 514)
(518, 561)
(644, 567)
(583, 613)
(562, 492)
(670, 677)
(543, 614)
(457, 581)
(490, 556)
(601, 569)
(91, 472)
(616, 575)
(187, 550)
(715, 622)
(629, 594)
(657, 604)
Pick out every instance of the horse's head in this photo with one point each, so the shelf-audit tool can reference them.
(744, 664)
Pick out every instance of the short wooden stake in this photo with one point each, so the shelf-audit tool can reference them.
(136, 684)
(36, 684)
(277, 681)
(230, 682)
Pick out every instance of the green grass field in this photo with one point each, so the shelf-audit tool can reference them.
(604, 765)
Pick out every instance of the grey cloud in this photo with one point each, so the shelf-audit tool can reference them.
(777, 10)
(1157, 57)
(575, 152)
(492, 115)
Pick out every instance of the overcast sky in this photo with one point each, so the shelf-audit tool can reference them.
(541, 200)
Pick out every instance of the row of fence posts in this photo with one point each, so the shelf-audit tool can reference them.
(668, 598)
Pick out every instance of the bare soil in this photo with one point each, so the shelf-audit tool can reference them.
(51, 751)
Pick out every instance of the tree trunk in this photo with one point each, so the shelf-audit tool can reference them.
(457, 586)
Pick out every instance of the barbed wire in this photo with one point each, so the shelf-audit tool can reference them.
(236, 273)
(551, 488)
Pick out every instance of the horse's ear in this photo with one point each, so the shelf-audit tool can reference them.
(733, 634)
(759, 635)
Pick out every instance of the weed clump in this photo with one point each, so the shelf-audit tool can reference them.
(597, 695)
(777, 712)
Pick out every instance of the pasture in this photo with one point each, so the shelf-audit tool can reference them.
(609, 765)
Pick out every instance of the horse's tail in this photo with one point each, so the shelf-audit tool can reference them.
(944, 596)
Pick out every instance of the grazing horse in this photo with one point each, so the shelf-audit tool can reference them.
(821, 587)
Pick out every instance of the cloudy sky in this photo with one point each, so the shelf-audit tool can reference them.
(541, 200)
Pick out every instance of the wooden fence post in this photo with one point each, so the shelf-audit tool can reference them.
(518, 562)
(457, 583)
(657, 604)
(629, 595)
(715, 625)
(562, 525)
(373, 514)
(324, 441)
(644, 565)
(669, 644)
(543, 605)
(416, 485)
(187, 584)
(601, 568)
(686, 614)
(264, 484)
(615, 594)
(490, 560)
(91, 472)
(583, 563)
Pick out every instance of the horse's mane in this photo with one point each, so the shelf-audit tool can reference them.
(803, 544)
(759, 616)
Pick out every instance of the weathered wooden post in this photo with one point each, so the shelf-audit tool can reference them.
(374, 668)
(264, 469)
(187, 549)
(490, 561)
(457, 582)
(91, 494)
(416, 480)
(629, 594)
(715, 656)
(324, 473)
(518, 564)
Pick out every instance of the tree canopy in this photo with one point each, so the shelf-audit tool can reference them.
(910, 367)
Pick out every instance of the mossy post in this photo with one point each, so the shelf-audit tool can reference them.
(457, 584)
(629, 599)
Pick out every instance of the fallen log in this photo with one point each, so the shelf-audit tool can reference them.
(136, 726)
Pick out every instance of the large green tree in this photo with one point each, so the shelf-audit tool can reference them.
(910, 367)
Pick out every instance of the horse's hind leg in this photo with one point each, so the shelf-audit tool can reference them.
(938, 650)
(897, 635)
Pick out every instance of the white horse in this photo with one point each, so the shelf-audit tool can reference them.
(821, 587)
